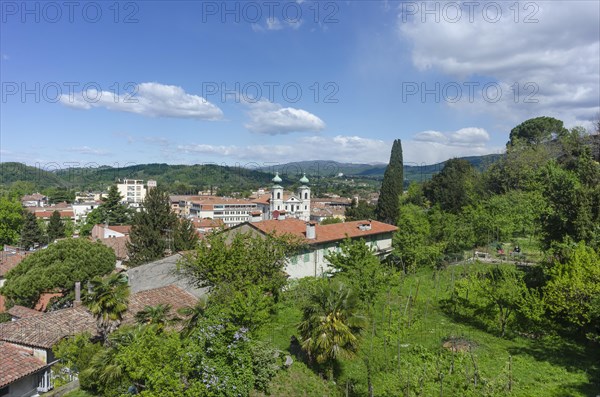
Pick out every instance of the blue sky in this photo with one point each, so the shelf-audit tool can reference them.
(209, 81)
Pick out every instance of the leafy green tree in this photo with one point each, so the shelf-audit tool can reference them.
(573, 284)
(357, 264)
(499, 292)
(111, 211)
(331, 325)
(56, 227)
(412, 242)
(360, 210)
(569, 209)
(535, 131)
(11, 220)
(31, 234)
(94, 217)
(454, 187)
(108, 302)
(240, 261)
(185, 236)
(57, 267)
(392, 186)
(74, 355)
(331, 221)
(248, 308)
(152, 231)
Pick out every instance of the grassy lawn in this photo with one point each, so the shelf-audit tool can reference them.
(405, 336)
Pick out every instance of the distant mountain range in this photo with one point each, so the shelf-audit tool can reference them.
(194, 177)
(327, 168)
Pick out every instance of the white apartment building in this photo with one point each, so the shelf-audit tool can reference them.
(134, 191)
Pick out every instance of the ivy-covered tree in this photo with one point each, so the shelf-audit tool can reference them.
(31, 233)
(152, 233)
(391, 186)
(57, 267)
(11, 220)
(56, 227)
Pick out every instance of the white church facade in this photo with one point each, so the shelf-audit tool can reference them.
(285, 205)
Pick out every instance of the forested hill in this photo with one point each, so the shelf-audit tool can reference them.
(179, 178)
(189, 178)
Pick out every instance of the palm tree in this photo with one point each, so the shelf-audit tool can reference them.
(159, 315)
(193, 314)
(108, 302)
(331, 325)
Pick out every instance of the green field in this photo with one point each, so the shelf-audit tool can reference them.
(404, 345)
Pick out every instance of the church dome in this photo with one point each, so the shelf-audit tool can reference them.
(277, 179)
(304, 179)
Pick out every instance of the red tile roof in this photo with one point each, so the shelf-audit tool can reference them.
(170, 295)
(49, 328)
(118, 245)
(9, 261)
(48, 214)
(16, 363)
(42, 303)
(207, 222)
(124, 229)
(23, 312)
(324, 233)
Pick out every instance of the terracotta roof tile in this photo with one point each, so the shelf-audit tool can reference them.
(46, 330)
(118, 245)
(49, 328)
(23, 312)
(124, 229)
(171, 295)
(324, 233)
(16, 363)
(48, 214)
(9, 261)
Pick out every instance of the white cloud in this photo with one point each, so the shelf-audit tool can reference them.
(150, 99)
(273, 23)
(87, 151)
(430, 136)
(561, 63)
(353, 149)
(273, 119)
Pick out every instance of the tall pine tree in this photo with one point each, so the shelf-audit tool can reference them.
(115, 212)
(31, 234)
(185, 237)
(152, 231)
(391, 187)
(56, 227)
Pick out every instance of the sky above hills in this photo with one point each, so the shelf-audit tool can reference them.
(186, 82)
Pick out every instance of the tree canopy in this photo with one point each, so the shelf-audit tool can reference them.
(57, 267)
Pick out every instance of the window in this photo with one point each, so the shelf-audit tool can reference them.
(305, 207)
(305, 195)
(278, 195)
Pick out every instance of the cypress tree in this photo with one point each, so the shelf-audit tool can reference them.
(152, 230)
(31, 234)
(391, 187)
(56, 227)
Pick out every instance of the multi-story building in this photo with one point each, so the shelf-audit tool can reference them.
(133, 192)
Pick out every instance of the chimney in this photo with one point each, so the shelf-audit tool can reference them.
(77, 294)
(311, 230)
